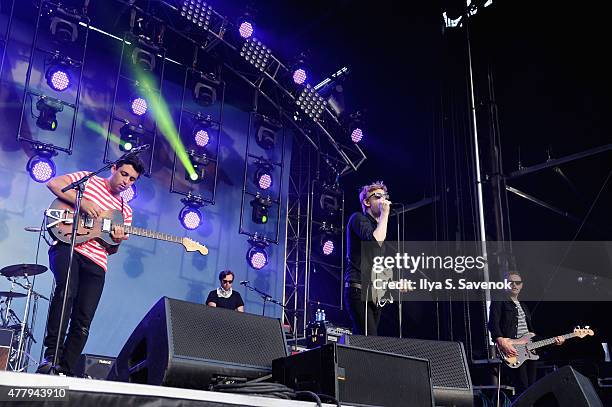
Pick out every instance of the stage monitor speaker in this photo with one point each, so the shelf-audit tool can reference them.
(189, 345)
(564, 387)
(450, 376)
(93, 366)
(357, 376)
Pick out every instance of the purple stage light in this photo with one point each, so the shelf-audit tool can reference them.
(41, 169)
(356, 135)
(58, 78)
(328, 247)
(257, 258)
(129, 194)
(245, 29)
(190, 217)
(139, 106)
(201, 138)
(264, 181)
(299, 76)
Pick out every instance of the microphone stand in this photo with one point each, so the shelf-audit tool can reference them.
(265, 296)
(79, 187)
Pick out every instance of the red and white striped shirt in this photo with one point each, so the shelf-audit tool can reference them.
(96, 190)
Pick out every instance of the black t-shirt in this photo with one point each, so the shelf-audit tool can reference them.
(360, 228)
(234, 301)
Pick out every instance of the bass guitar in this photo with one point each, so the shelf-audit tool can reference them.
(525, 347)
(60, 215)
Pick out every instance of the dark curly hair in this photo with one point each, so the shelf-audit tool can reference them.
(134, 161)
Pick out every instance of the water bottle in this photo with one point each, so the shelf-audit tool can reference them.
(318, 315)
(323, 315)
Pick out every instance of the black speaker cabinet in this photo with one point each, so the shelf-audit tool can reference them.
(450, 376)
(184, 344)
(93, 366)
(358, 376)
(564, 387)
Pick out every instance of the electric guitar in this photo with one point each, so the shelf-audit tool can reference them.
(525, 348)
(60, 215)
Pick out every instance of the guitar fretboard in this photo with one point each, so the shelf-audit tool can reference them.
(152, 234)
(549, 341)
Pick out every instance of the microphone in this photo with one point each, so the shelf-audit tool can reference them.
(244, 282)
(139, 149)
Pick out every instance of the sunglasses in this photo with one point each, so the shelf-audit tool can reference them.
(379, 195)
(227, 281)
(515, 282)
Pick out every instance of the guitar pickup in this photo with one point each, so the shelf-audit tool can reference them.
(106, 225)
(89, 222)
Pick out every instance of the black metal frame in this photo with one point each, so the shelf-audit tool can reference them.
(133, 41)
(30, 92)
(218, 122)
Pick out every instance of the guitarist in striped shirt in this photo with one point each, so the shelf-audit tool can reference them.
(509, 320)
(89, 264)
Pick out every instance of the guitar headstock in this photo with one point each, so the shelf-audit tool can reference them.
(582, 332)
(193, 246)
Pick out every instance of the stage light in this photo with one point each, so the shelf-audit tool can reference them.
(260, 209)
(356, 135)
(201, 137)
(299, 76)
(63, 30)
(48, 109)
(356, 126)
(266, 132)
(190, 216)
(145, 60)
(199, 163)
(58, 76)
(204, 94)
(256, 53)
(139, 106)
(41, 166)
(245, 29)
(311, 103)
(329, 238)
(330, 200)
(129, 194)
(327, 247)
(198, 12)
(257, 256)
(201, 132)
(263, 175)
(131, 136)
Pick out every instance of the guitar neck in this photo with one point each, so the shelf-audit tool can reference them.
(152, 234)
(549, 341)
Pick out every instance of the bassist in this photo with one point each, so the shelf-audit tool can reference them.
(89, 263)
(510, 319)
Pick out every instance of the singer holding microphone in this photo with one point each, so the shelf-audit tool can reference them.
(89, 263)
(369, 225)
(225, 296)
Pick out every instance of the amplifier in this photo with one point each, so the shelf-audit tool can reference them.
(322, 332)
(452, 383)
(94, 366)
(357, 376)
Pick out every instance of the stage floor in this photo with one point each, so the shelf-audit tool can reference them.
(98, 393)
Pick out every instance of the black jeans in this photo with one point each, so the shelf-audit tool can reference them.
(357, 312)
(521, 378)
(86, 285)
